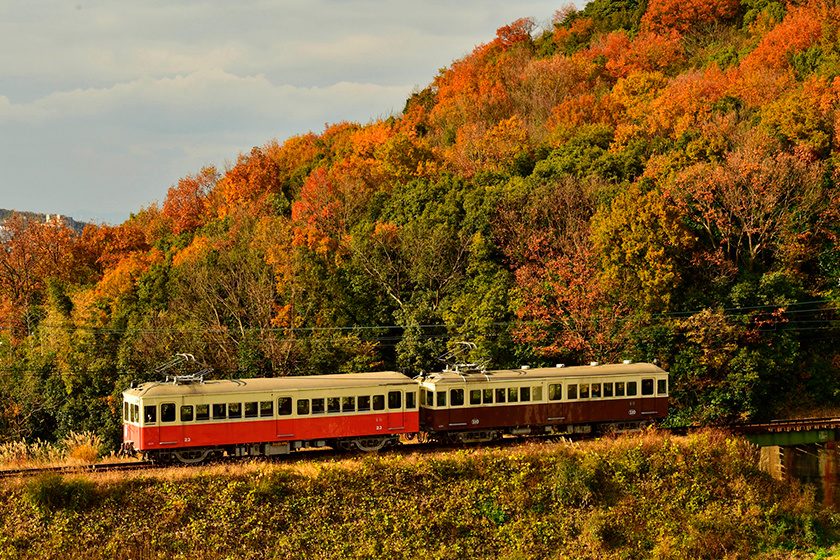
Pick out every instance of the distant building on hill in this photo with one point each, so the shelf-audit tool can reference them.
(43, 218)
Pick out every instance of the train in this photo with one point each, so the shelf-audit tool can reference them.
(193, 419)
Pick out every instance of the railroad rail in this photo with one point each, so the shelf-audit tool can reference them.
(76, 469)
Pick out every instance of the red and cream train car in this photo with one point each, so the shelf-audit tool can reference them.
(480, 406)
(192, 421)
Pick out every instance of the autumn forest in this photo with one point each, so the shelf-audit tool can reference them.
(648, 181)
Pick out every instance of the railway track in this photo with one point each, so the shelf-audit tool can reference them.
(74, 469)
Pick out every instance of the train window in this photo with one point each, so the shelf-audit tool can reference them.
(662, 386)
(411, 399)
(125, 411)
(500, 395)
(135, 413)
(513, 394)
(571, 392)
(537, 393)
(348, 404)
(596, 390)
(202, 412)
(167, 412)
(525, 394)
(251, 410)
(441, 398)
(333, 405)
(302, 407)
(647, 387)
(475, 396)
(430, 398)
(584, 390)
(186, 413)
(608, 390)
(266, 409)
(456, 397)
(317, 406)
(235, 410)
(422, 396)
(394, 400)
(378, 402)
(219, 411)
(631, 388)
(555, 392)
(150, 413)
(619, 389)
(488, 396)
(364, 404)
(284, 406)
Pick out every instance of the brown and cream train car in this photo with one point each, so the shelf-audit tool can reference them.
(485, 405)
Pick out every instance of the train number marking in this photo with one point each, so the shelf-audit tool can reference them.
(475, 421)
(632, 412)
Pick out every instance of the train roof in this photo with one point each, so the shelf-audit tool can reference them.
(267, 384)
(524, 374)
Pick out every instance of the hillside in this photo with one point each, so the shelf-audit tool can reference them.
(648, 496)
(639, 181)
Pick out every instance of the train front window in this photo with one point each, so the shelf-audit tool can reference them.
(441, 398)
(411, 400)
(456, 397)
(284, 406)
(135, 413)
(647, 387)
(167, 412)
(125, 411)
(150, 414)
(662, 387)
(186, 413)
(430, 398)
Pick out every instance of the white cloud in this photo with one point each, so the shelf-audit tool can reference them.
(121, 98)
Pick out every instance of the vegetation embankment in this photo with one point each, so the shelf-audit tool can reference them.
(646, 496)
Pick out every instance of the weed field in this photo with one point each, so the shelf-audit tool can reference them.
(645, 496)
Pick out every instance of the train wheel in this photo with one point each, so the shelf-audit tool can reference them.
(190, 456)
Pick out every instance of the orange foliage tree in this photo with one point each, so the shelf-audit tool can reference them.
(681, 15)
(186, 204)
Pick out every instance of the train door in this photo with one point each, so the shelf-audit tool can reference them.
(285, 420)
(170, 429)
(396, 411)
(457, 410)
(647, 402)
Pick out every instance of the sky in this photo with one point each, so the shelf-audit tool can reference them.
(105, 104)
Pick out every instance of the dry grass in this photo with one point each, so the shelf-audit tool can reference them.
(75, 449)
